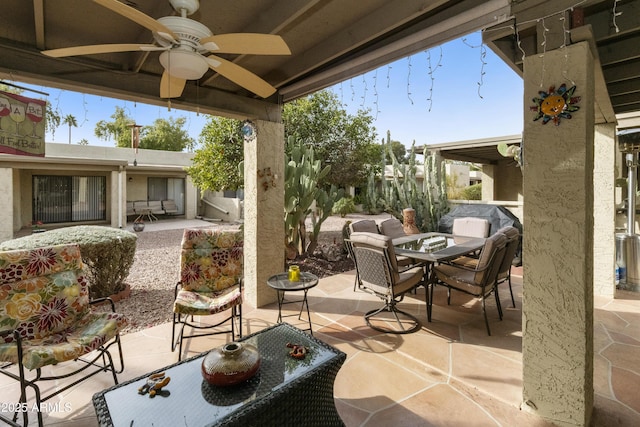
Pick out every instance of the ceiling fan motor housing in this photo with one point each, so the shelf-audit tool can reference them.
(184, 59)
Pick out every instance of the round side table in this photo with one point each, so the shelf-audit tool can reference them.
(280, 282)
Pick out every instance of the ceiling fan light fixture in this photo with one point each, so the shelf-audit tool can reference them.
(184, 64)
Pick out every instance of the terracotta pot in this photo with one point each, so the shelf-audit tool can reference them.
(230, 364)
(409, 221)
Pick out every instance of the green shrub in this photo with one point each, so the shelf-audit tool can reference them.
(107, 253)
(344, 206)
(472, 192)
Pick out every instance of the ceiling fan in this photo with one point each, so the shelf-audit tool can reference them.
(186, 46)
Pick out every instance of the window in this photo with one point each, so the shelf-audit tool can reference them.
(69, 198)
(167, 188)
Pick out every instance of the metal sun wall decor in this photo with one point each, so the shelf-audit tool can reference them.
(555, 104)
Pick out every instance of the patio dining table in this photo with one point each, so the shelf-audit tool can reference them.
(431, 248)
(436, 247)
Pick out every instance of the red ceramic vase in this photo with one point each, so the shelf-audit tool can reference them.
(230, 364)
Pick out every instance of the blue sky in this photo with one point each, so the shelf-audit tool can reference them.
(444, 105)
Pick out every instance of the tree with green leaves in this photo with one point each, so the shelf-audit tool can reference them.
(70, 120)
(119, 128)
(167, 135)
(339, 139)
(215, 163)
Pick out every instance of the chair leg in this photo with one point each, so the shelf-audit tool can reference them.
(513, 301)
(498, 304)
(391, 308)
(486, 320)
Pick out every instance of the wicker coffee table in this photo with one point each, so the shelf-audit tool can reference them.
(285, 391)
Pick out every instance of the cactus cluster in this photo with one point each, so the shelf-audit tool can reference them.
(428, 199)
(304, 197)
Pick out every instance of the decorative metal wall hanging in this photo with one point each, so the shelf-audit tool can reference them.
(249, 131)
(555, 104)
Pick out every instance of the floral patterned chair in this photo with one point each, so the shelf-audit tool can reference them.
(210, 283)
(46, 319)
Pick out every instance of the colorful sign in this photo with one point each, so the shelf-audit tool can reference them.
(22, 122)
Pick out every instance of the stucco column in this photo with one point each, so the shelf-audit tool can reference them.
(604, 209)
(263, 211)
(557, 323)
(6, 201)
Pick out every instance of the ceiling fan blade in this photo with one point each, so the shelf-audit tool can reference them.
(171, 87)
(246, 43)
(99, 48)
(240, 76)
(137, 17)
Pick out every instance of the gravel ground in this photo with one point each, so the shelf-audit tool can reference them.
(155, 271)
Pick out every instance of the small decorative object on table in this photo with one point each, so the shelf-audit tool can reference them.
(138, 225)
(294, 273)
(297, 351)
(230, 364)
(154, 384)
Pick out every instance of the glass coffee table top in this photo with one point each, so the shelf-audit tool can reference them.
(189, 400)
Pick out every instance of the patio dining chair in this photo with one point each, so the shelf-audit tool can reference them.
(46, 319)
(211, 273)
(362, 226)
(478, 281)
(504, 273)
(379, 274)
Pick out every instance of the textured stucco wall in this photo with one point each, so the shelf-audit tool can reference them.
(558, 218)
(264, 216)
(604, 210)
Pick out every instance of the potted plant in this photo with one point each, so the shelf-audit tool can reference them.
(138, 225)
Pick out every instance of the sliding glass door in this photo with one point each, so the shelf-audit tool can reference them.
(69, 198)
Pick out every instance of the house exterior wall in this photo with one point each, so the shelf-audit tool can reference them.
(115, 164)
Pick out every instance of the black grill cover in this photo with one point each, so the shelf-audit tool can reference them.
(498, 217)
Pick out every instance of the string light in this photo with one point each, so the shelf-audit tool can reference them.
(388, 75)
(353, 91)
(615, 15)
(375, 92)
(483, 55)
(431, 72)
(364, 92)
(409, 80)
(565, 33)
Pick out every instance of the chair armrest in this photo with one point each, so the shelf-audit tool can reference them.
(102, 300)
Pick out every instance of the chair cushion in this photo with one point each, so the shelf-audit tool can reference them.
(365, 226)
(88, 334)
(211, 260)
(471, 227)
(392, 227)
(459, 278)
(43, 291)
(408, 279)
(491, 245)
(379, 241)
(205, 303)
